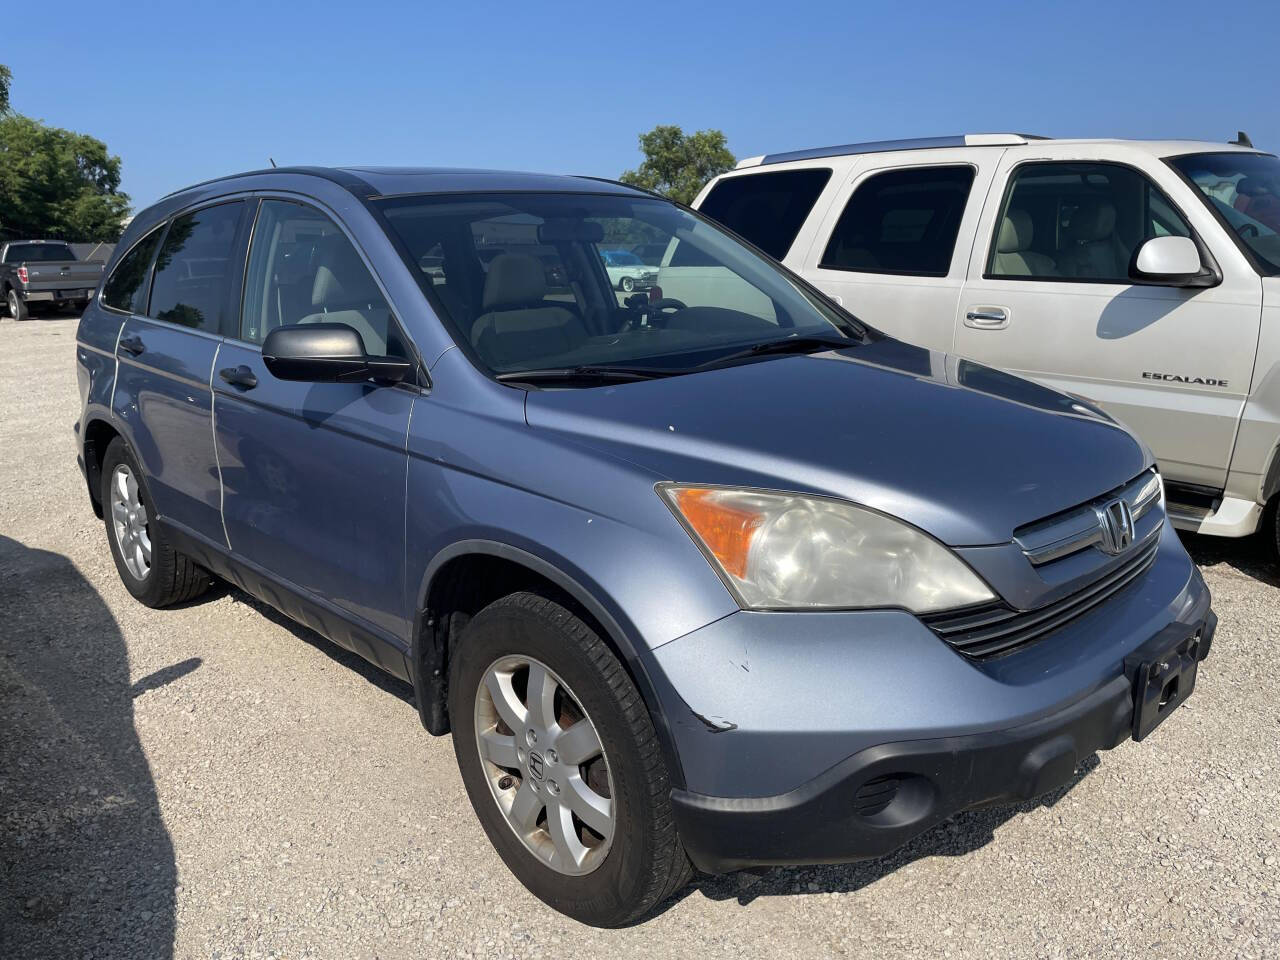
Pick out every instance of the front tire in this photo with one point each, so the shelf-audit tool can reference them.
(561, 763)
(150, 568)
(628, 284)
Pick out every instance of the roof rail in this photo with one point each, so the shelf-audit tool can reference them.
(885, 146)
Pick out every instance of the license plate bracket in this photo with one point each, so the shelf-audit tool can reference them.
(1164, 674)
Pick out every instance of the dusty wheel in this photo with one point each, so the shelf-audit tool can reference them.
(628, 284)
(561, 762)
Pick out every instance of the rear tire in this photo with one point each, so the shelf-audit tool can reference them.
(150, 568)
(621, 876)
(17, 306)
(1269, 528)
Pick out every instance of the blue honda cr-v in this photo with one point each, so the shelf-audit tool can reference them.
(712, 576)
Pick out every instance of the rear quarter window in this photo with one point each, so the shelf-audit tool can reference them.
(766, 208)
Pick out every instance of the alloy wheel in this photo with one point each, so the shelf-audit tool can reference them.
(129, 520)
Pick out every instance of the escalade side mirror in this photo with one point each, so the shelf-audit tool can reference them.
(1171, 262)
(327, 353)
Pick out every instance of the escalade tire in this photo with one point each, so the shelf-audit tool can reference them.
(16, 306)
(155, 573)
(640, 863)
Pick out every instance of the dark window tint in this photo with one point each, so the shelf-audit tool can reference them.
(38, 253)
(767, 208)
(902, 221)
(303, 269)
(1078, 221)
(194, 269)
(127, 287)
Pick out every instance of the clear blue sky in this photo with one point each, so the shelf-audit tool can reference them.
(184, 91)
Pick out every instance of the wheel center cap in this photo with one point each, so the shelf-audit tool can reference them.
(537, 766)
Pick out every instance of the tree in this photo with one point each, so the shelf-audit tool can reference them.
(678, 166)
(54, 182)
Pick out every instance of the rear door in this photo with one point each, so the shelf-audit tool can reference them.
(314, 473)
(1048, 296)
(893, 244)
(166, 353)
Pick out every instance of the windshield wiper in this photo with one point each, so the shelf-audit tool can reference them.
(795, 344)
(596, 374)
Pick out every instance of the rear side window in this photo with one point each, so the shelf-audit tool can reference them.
(767, 208)
(194, 269)
(901, 222)
(126, 288)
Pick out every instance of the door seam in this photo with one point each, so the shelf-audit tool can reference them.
(213, 427)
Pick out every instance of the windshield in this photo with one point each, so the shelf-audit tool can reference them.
(523, 281)
(1244, 189)
(38, 253)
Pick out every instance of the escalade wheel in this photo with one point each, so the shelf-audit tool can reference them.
(561, 762)
(151, 569)
(17, 307)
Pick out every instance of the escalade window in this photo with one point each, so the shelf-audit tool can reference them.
(522, 284)
(901, 222)
(767, 208)
(1078, 221)
(194, 269)
(1243, 189)
(126, 288)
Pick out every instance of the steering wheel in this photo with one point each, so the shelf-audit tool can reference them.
(659, 307)
(1247, 230)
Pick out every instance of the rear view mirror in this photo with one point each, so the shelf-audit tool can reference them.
(1171, 262)
(327, 353)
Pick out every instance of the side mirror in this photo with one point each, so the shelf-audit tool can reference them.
(1171, 262)
(327, 353)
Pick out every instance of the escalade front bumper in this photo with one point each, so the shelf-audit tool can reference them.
(926, 732)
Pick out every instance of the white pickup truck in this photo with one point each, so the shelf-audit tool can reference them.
(1143, 276)
(44, 272)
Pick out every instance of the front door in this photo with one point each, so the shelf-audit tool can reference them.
(314, 473)
(1048, 296)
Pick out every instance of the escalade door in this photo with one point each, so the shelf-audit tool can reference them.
(1048, 296)
(313, 474)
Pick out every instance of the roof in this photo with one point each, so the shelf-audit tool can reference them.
(367, 182)
(1159, 148)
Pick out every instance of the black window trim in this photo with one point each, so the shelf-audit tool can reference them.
(862, 181)
(423, 376)
(1207, 260)
(1261, 267)
(768, 171)
(161, 228)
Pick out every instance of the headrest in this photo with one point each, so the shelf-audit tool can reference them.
(342, 279)
(514, 280)
(1015, 232)
(1250, 187)
(1092, 220)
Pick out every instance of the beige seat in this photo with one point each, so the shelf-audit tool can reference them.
(517, 323)
(344, 292)
(1014, 256)
(1093, 249)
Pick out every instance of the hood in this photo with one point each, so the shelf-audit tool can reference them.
(964, 452)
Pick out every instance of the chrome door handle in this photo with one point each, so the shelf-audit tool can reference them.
(987, 318)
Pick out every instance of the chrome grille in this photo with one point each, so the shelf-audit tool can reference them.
(996, 628)
(1080, 527)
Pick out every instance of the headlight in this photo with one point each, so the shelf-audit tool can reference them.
(787, 551)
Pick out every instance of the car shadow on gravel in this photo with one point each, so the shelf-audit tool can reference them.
(1246, 555)
(961, 834)
(86, 864)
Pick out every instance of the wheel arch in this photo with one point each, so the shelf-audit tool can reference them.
(98, 434)
(468, 575)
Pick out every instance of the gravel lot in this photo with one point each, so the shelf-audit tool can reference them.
(213, 781)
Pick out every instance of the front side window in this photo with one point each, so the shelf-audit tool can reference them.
(126, 288)
(524, 282)
(1078, 221)
(194, 270)
(766, 208)
(901, 222)
(303, 269)
(1243, 189)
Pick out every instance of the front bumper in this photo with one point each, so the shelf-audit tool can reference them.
(925, 732)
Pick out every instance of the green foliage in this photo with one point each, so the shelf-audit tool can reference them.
(6, 77)
(56, 183)
(678, 166)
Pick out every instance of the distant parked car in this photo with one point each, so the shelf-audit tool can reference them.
(1143, 275)
(44, 272)
(628, 272)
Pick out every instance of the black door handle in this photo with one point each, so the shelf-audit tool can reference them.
(132, 344)
(240, 376)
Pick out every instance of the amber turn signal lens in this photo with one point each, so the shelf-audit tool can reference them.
(726, 530)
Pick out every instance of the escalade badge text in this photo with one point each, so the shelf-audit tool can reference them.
(1179, 378)
(1116, 521)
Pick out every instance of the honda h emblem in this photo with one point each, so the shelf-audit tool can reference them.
(1116, 521)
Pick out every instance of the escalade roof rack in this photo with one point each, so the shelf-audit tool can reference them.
(885, 146)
